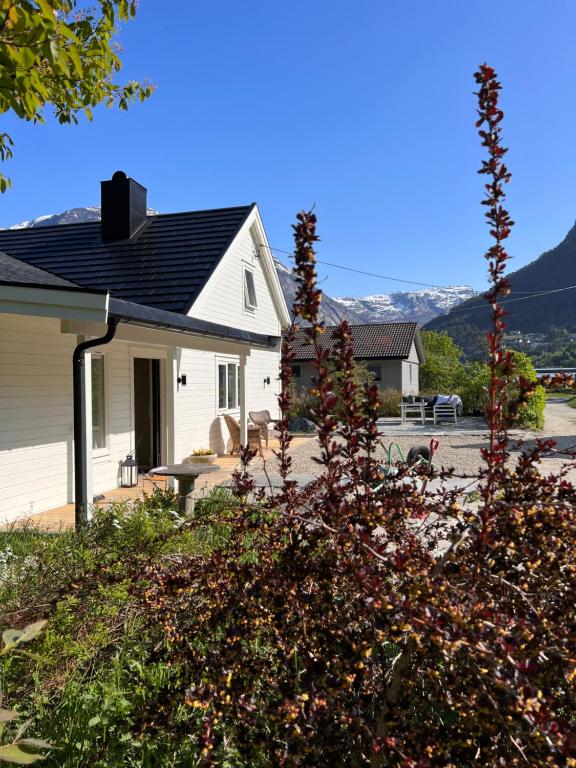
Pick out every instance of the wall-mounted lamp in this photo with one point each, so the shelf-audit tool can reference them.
(267, 380)
(182, 380)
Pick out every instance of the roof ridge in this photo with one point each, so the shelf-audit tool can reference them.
(96, 222)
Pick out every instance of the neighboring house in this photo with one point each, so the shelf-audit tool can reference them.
(186, 313)
(392, 352)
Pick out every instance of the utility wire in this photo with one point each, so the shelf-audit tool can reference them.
(401, 280)
(359, 271)
(520, 298)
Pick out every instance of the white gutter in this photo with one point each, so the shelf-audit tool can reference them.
(63, 303)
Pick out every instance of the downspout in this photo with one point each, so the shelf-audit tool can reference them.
(81, 500)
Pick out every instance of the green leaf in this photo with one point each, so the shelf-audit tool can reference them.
(8, 714)
(32, 630)
(31, 742)
(11, 753)
(11, 636)
(94, 721)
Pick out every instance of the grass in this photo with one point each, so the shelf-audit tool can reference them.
(566, 395)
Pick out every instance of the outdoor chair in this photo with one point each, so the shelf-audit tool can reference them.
(263, 420)
(254, 440)
(445, 411)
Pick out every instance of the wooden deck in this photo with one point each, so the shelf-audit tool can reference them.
(62, 517)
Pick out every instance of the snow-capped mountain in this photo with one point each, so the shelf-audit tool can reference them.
(420, 306)
(417, 306)
(72, 216)
(331, 311)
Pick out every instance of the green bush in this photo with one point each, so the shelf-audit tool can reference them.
(443, 371)
(97, 670)
(389, 400)
(474, 387)
(532, 413)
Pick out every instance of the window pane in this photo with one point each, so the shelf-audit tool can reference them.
(232, 379)
(249, 289)
(221, 386)
(376, 372)
(98, 425)
(296, 371)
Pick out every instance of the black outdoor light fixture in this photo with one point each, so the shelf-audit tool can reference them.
(182, 380)
(267, 380)
(129, 472)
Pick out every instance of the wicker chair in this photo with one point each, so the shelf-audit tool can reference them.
(262, 419)
(254, 441)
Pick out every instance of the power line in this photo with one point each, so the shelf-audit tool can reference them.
(395, 279)
(520, 298)
(532, 294)
(359, 271)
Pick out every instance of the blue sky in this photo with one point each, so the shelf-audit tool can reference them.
(362, 109)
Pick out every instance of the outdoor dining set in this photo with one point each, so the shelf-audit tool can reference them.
(438, 408)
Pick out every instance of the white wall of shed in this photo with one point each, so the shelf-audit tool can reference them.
(411, 373)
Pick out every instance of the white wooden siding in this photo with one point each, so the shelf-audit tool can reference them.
(199, 421)
(222, 300)
(411, 373)
(36, 445)
(36, 416)
(263, 364)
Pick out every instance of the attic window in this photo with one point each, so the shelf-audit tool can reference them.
(249, 290)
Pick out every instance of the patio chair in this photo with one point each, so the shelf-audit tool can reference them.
(254, 440)
(262, 419)
(444, 412)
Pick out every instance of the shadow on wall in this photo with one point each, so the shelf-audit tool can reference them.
(219, 438)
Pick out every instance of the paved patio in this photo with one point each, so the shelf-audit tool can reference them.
(61, 518)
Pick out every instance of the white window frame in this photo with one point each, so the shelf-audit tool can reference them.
(105, 449)
(248, 305)
(223, 361)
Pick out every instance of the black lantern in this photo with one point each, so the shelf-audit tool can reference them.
(129, 472)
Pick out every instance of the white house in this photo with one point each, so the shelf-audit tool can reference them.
(133, 334)
(392, 352)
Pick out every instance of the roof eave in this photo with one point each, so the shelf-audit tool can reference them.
(161, 319)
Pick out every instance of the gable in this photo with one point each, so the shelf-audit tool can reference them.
(223, 298)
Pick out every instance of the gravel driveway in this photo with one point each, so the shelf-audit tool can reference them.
(461, 451)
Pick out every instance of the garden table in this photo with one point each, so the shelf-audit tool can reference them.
(186, 475)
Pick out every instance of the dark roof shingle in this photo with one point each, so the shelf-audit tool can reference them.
(15, 271)
(370, 342)
(165, 265)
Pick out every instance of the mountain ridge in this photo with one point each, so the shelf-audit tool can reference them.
(554, 271)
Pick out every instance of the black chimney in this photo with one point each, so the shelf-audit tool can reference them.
(123, 207)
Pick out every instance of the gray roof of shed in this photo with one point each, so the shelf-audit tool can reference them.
(370, 342)
(165, 265)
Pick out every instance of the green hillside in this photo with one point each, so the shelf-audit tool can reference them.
(554, 269)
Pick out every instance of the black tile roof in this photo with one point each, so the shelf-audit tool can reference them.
(165, 265)
(18, 272)
(370, 342)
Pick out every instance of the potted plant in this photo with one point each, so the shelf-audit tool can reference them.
(201, 455)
